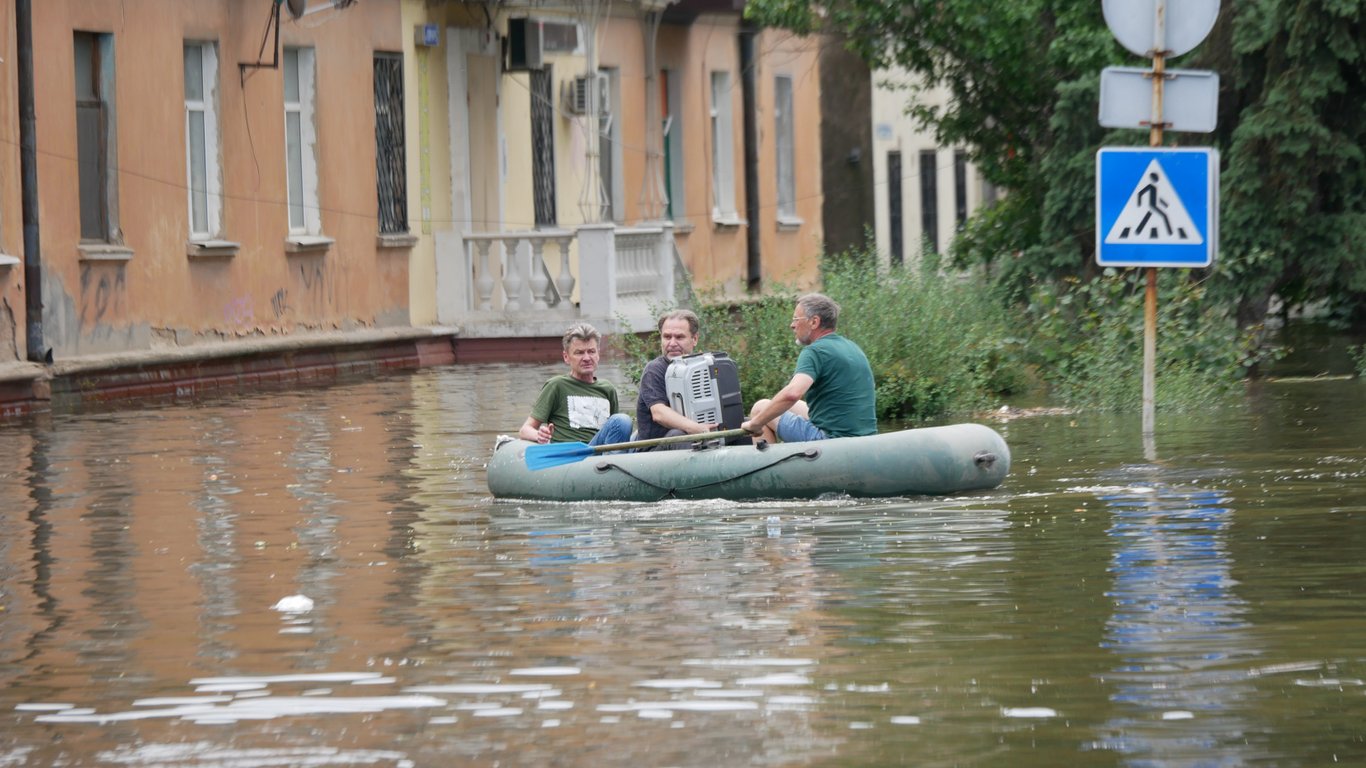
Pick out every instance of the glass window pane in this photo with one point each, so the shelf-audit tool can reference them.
(292, 75)
(295, 160)
(194, 73)
(199, 195)
(85, 67)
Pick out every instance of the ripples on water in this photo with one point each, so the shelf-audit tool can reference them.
(1098, 609)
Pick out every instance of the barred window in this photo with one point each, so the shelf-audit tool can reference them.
(391, 181)
(543, 146)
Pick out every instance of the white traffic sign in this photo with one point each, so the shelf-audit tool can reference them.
(1157, 207)
(1136, 24)
(1190, 99)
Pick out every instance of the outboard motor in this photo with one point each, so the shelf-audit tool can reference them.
(705, 387)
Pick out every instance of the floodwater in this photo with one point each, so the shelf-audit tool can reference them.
(319, 578)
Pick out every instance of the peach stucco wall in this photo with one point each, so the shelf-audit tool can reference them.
(12, 307)
(158, 295)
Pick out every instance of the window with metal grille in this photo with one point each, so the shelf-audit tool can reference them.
(929, 200)
(543, 145)
(391, 180)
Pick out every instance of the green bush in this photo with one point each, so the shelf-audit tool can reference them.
(937, 345)
(1087, 342)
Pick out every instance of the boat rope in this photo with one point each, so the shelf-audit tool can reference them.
(672, 491)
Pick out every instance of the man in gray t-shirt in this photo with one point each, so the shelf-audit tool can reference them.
(832, 392)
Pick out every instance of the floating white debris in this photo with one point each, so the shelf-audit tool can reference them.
(546, 671)
(776, 679)
(905, 720)
(1028, 712)
(294, 604)
(1179, 714)
(689, 682)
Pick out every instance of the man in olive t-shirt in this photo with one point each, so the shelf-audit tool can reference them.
(578, 407)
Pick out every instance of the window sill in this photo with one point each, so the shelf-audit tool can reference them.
(730, 221)
(308, 244)
(212, 249)
(789, 223)
(396, 240)
(7, 260)
(104, 252)
(684, 228)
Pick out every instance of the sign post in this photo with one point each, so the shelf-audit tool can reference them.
(1155, 29)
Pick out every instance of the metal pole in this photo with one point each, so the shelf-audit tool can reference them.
(1150, 294)
(35, 348)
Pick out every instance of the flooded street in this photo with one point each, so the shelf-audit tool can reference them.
(320, 578)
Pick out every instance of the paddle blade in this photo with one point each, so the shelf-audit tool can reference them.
(555, 454)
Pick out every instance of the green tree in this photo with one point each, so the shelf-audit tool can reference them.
(1023, 76)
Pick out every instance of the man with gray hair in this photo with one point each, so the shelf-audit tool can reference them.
(578, 407)
(831, 394)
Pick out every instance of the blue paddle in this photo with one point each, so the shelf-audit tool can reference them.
(558, 454)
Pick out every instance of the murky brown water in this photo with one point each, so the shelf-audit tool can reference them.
(1206, 608)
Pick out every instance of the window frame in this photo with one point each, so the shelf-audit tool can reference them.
(100, 191)
(302, 192)
(785, 151)
(207, 108)
(723, 150)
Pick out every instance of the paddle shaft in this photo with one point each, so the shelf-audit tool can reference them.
(722, 435)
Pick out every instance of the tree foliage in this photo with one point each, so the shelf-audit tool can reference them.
(1024, 80)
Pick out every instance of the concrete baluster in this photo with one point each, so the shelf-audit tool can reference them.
(483, 283)
(565, 282)
(512, 275)
(540, 283)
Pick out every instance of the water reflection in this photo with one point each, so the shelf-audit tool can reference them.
(145, 552)
(1178, 629)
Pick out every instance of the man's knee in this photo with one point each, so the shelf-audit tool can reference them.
(758, 406)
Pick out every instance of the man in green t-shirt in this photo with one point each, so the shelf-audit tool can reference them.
(578, 407)
(832, 392)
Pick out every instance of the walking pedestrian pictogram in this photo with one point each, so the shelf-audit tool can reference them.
(1156, 207)
(1154, 214)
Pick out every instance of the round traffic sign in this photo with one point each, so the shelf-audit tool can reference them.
(1134, 23)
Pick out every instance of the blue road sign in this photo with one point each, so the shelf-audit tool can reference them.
(1157, 207)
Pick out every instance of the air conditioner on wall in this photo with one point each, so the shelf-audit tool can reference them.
(524, 45)
(577, 93)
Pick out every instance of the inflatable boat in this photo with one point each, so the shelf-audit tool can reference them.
(912, 462)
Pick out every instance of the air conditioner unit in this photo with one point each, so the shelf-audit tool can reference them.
(577, 93)
(524, 45)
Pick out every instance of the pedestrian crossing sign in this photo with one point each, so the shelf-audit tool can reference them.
(1157, 207)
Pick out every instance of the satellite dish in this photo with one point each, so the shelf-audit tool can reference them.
(296, 7)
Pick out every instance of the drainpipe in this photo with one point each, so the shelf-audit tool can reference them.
(754, 276)
(28, 172)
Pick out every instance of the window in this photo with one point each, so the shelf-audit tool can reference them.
(783, 134)
(609, 146)
(391, 178)
(96, 148)
(301, 165)
(673, 144)
(201, 140)
(722, 150)
(929, 200)
(543, 146)
(960, 187)
(894, 213)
